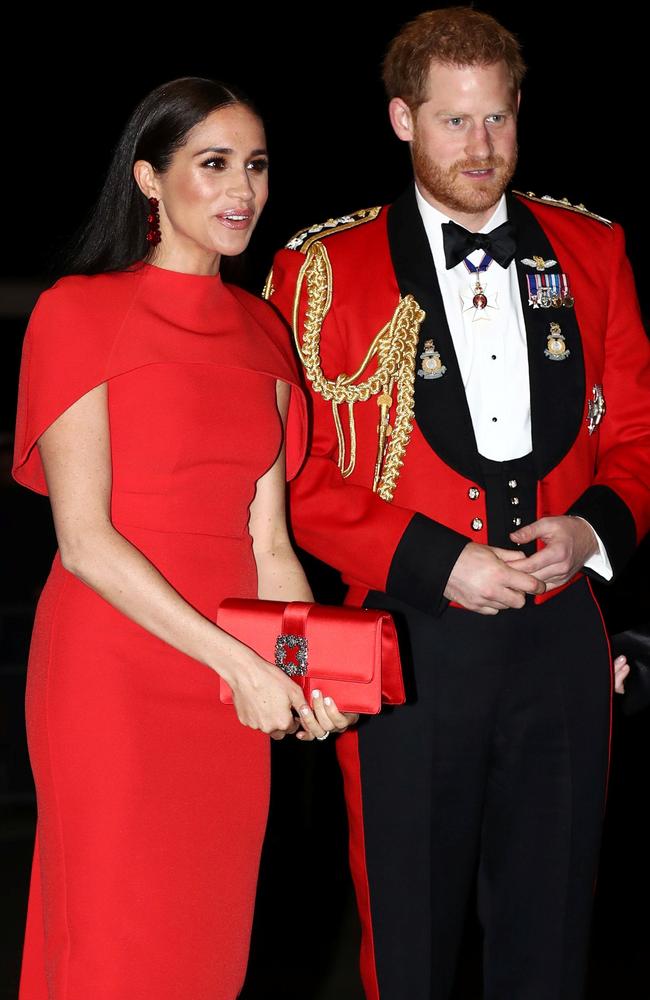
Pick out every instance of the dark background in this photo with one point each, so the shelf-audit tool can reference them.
(314, 73)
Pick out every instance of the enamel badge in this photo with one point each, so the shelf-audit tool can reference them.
(432, 366)
(596, 408)
(556, 349)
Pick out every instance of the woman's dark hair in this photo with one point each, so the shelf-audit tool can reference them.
(114, 237)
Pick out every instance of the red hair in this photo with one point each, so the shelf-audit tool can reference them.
(454, 36)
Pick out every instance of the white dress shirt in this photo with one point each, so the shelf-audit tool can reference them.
(491, 349)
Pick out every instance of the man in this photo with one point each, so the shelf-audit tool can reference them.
(481, 445)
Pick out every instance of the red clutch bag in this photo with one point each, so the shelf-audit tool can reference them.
(348, 653)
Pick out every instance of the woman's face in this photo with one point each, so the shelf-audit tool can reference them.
(213, 191)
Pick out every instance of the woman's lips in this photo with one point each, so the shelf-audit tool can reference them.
(236, 219)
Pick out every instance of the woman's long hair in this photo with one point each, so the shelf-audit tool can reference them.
(114, 237)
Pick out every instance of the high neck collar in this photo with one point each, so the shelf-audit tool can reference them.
(164, 274)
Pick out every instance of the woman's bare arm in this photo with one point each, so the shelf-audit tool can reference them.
(75, 451)
(280, 575)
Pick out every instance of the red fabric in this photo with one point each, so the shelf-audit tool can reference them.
(347, 749)
(347, 525)
(353, 655)
(152, 798)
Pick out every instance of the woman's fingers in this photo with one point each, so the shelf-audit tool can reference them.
(329, 716)
(621, 670)
(324, 718)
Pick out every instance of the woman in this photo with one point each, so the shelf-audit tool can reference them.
(152, 406)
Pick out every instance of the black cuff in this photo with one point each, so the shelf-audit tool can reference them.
(422, 564)
(612, 520)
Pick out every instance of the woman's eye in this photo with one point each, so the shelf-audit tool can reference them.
(215, 163)
(259, 166)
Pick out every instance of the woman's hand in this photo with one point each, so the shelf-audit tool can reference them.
(324, 719)
(621, 670)
(266, 699)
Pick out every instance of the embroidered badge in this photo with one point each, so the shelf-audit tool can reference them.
(596, 408)
(432, 366)
(556, 349)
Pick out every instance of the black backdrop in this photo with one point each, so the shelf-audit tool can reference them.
(314, 72)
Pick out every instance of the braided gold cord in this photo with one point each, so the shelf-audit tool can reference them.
(395, 347)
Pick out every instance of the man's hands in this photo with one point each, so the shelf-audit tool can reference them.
(488, 580)
(568, 543)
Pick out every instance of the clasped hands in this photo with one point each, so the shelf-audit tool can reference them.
(487, 579)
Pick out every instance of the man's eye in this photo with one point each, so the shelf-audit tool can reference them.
(455, 122)
(259, 166)
(496, 119)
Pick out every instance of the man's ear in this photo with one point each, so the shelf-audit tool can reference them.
(401, 118)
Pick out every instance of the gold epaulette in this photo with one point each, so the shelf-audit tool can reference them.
(305, 237)
(564, 203)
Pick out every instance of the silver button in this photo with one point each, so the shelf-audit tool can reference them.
(477, 524)
(514, 501)
(473, 493)
(516, 521)
(512, 483)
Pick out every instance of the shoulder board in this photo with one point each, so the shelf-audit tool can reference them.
(305, 237)
(564, 203)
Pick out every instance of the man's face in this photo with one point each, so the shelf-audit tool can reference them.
(464, 137)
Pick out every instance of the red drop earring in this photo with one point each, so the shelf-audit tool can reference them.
(153, 218)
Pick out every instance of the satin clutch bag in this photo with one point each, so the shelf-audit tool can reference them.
(635, 644)
(350, 654)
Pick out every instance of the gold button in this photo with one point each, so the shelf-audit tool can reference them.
(473, 493)
(477, 524)
(514, 501)
(516, 521)
(512, 483)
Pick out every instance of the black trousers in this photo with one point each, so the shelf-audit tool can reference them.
(500, 761)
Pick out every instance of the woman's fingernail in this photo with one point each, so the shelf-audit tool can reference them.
(328, 701)
(315, 694)
(304, 710)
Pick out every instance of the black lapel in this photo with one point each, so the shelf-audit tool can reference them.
(441, 409)
(557, 388)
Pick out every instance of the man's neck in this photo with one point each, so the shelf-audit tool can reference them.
(472, 221)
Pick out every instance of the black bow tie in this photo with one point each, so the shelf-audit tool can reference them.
(500, 243)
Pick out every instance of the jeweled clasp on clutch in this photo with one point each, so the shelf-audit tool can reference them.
(291, 653)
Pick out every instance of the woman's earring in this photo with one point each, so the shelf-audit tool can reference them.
(153, 236)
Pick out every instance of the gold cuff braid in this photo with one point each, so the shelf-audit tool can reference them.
(395, 348)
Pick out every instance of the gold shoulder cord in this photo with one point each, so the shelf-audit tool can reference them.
(395, 347)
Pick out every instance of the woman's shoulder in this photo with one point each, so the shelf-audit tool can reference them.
(87, 291)
(80, 310)
(257, 307)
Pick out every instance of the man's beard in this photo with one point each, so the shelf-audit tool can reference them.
(468, 197)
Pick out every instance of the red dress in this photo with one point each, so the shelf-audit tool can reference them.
(152, 798)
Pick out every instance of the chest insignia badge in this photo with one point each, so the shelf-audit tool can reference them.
(556, 349)
(538, 262)
(596, 408)
(432, 366)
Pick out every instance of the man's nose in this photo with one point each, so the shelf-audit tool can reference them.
(479, 142)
